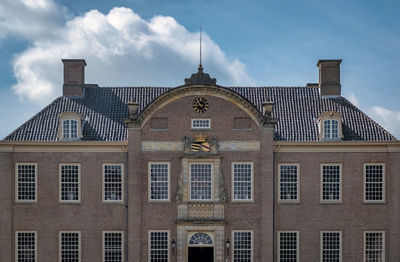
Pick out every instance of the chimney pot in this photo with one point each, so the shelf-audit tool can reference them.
(329, 77)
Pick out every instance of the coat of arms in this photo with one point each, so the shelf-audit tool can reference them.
(200, 144)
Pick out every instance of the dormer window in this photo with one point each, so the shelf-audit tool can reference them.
(331, 129)
(330, 126)
(70, 126)
(70, 129)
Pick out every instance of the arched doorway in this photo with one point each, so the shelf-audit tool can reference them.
(200, 247)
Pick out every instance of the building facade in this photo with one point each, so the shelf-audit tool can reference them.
(200, 172)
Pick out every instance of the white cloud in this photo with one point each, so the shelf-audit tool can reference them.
(121, 49)
(31, 19)
(353, 99)
(389, 119)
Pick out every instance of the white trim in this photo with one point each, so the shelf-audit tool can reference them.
(340, 244)
(279, 245)
(340, 183)
(60, 243)
(16, 182)
(16, 242)
(104, 232)
(103, 184)
(383, 183)
(192, 233)
(233, 243)
(383, 244)
(70, 116)
(233, 182)
(60, 184)
(289, 201)
(149, 242)
(209, 123)
(212, 181)
(149, 181)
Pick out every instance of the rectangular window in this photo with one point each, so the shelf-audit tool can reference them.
(159, 181)
(200, 182)
(201, 123)
(242, 181)
(69, 183)
(113, 246)
(70, 246)
(288, 244)
(331, 183)
(242, 250)
(159, 246)
(26, 182)
(331, 246)
(289, 183)
(374, 183)
(374, 246)
(25, 246)
(113, 183)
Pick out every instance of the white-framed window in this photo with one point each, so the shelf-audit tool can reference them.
(70, 246)
(288, 246)
(374, 183)
(289, 183)
(331, 246)
(331, 129)
(201, 185)
(113, 246)
(159, 246)
(242, 181)
(374, 246)
(70, 129)
(331, 183)
(26, 182)
(159, 181)
(70, 190)
(242, 246)
(201, 123)
(25, 246)
(113, 182)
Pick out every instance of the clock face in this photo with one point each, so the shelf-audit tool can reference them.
(200, 105)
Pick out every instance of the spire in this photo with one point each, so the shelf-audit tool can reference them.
(200, 78)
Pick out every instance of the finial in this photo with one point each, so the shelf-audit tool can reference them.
(200, 66)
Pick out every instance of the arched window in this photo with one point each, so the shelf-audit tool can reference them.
(70, 129)
(331, 129)
(200, 239)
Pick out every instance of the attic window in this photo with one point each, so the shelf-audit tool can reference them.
(330, 126)
(70, 126)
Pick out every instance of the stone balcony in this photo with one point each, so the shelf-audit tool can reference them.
(200, 211)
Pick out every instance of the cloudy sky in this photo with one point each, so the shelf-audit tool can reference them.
(155, 43)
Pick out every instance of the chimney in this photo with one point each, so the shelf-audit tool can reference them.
(329, 77)
(74, 77)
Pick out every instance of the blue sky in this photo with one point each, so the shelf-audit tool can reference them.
(154, 42)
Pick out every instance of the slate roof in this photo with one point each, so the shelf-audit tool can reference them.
(296, 108)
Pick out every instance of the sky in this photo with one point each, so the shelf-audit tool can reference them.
(155, 43)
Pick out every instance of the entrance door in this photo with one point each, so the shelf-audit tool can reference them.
(201, 254)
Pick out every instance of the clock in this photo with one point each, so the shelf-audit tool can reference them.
(200, 105)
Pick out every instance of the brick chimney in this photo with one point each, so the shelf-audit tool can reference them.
(329, 77)
(74, 77)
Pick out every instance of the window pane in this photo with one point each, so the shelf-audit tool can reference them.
(374, 182)
(70, 182)
(242, 251)
(242, 184)
(70, 247)
(159, 181)
(201, 123)
(374, 247)
(112, 182)
(331, 182)
(159, 246)
(288, 182)
(26, 179)
(327, 128)
(201, 184)
(26, 246)
(331, 246)
(288, 246)
(113, 247)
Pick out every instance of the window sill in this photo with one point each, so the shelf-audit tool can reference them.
(289, 202)
(159, 129)
(374, 203)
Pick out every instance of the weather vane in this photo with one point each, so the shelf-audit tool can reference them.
(200, 46)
